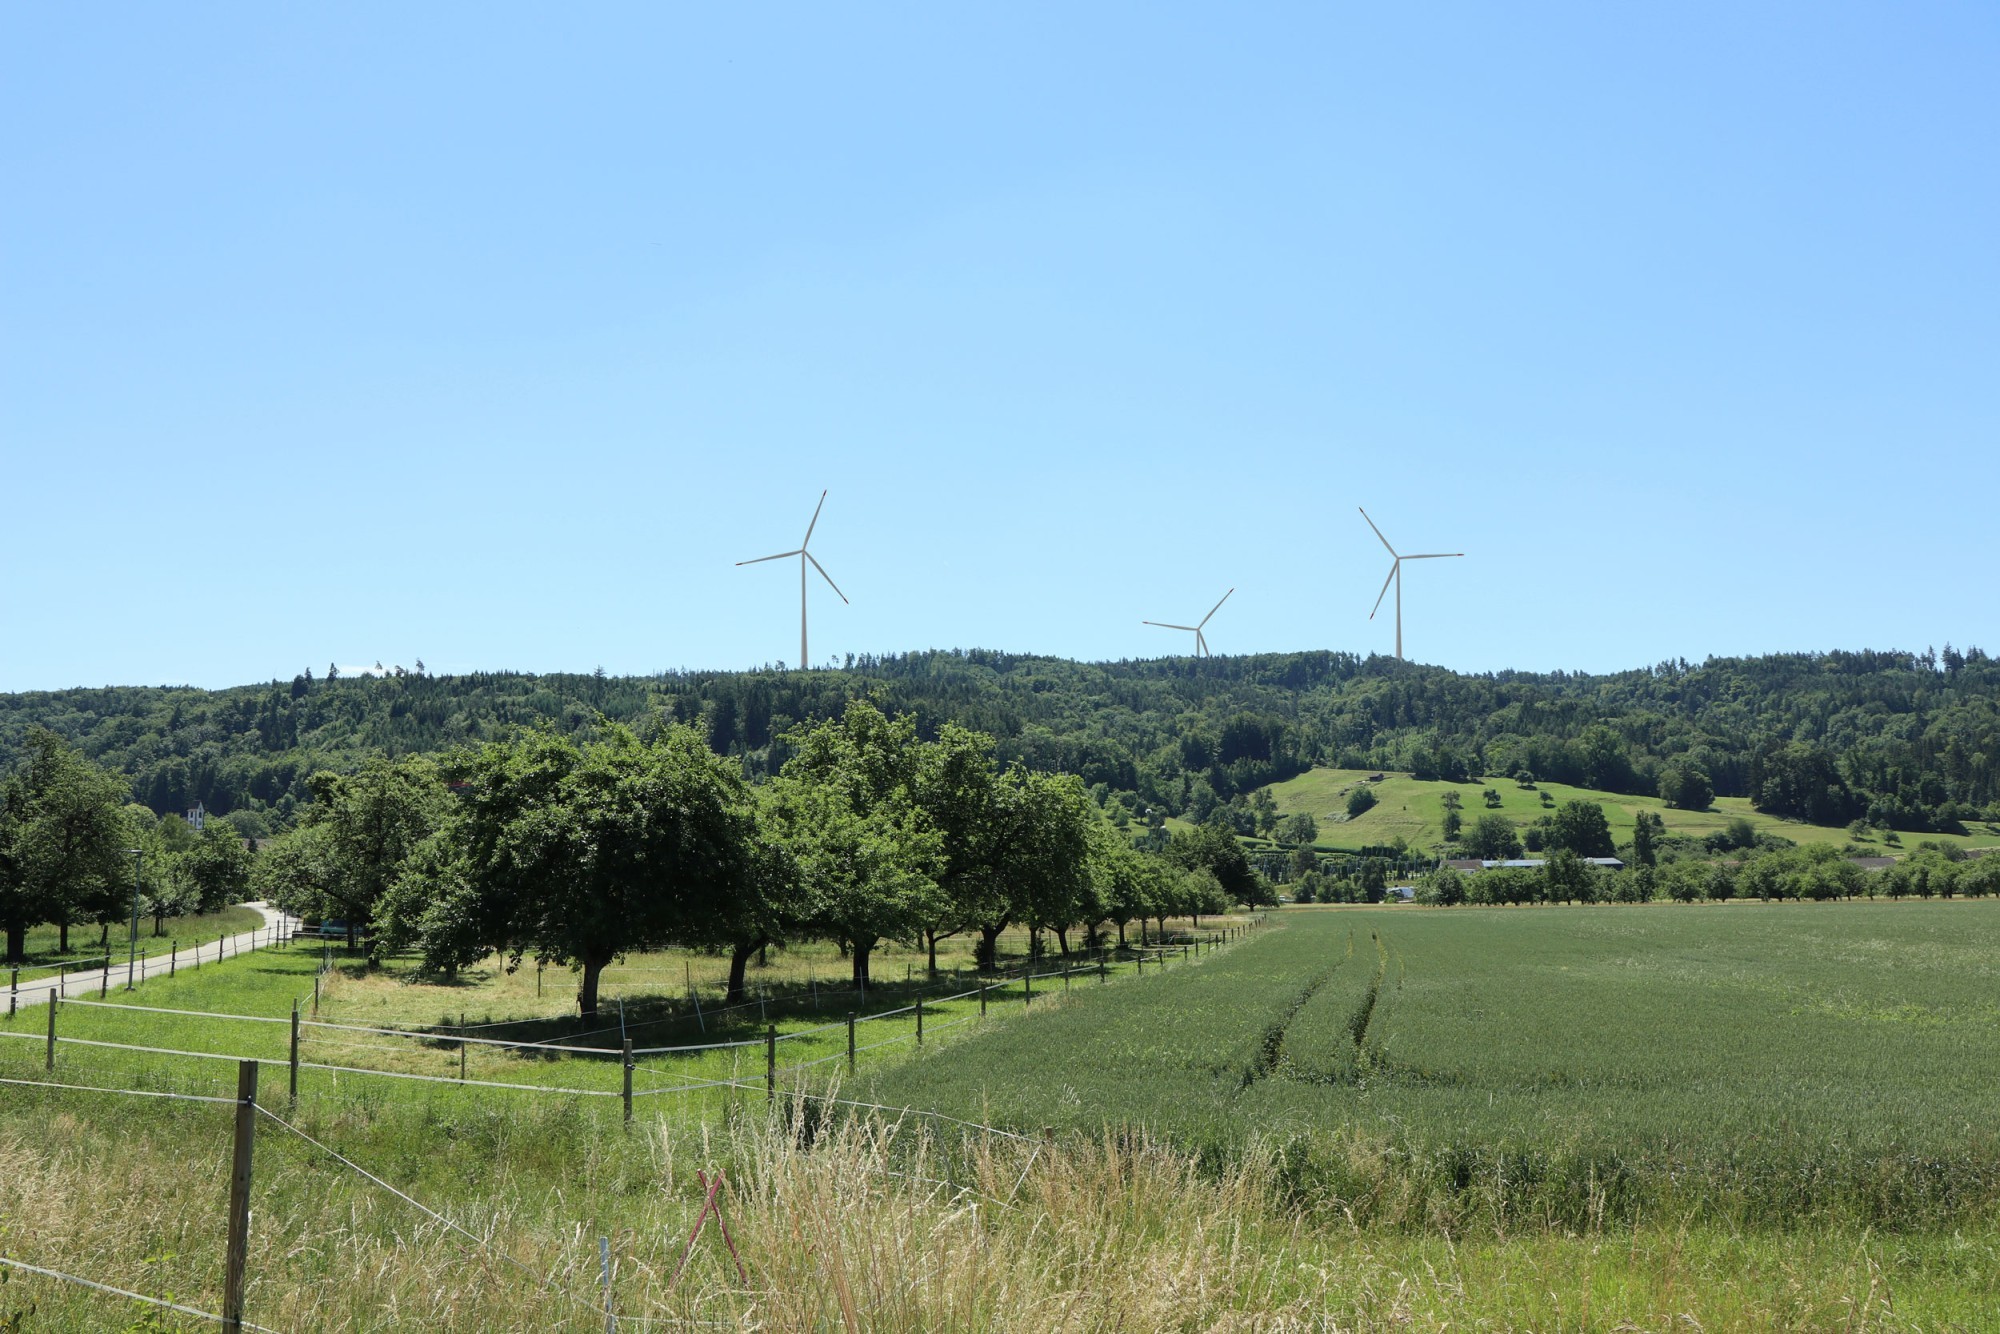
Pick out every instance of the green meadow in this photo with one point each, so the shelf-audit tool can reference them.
(1413, 810)
(1755, 1066)
(1741, 1117)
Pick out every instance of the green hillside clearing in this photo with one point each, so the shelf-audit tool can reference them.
(1414, 810)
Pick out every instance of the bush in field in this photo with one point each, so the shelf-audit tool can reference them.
(1361, 800)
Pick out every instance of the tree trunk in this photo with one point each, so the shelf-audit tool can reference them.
(17, 942)
(862, 949)
(586, 989)
(987, 955)
(739, 959)
(1121, 934)
(104, 935)
(1062, 940)
(62, 936)
(930, 942)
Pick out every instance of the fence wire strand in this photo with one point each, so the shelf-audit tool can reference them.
(121, 1292)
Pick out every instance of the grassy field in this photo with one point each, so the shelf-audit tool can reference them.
(1361, 1119)
(1487, 1069)
(200, 928)
(1414, 811)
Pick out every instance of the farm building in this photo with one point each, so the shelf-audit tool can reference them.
(1527, 864)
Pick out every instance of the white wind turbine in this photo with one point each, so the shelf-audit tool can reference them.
(804, 556)
(1200, 644)
(1396, 578)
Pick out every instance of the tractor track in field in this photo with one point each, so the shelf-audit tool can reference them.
(1271, 1047)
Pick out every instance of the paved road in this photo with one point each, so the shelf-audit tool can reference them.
(37, 987)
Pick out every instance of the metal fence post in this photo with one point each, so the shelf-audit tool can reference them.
(850, 1042)
(53, 1003)
(771, 1065)
(13, 993)
(628, 1081)
(295, 1051)
(173, 957)
(238, 1256)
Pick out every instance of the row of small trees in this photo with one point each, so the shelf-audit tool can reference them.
(68, 832)
(1816, 873)
(578, 850)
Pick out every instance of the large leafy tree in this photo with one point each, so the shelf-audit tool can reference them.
(845, 809)
(1216, 850)
(62, 842)
(1492, 837)
(1580, 827)
(368, 823)
(580, 852)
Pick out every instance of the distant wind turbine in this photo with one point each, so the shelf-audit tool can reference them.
(1396, 578)
(804, 556)
(1200, 644)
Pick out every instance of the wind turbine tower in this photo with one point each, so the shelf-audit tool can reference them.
(805, 556)
(1200, 644)
(1396, 578)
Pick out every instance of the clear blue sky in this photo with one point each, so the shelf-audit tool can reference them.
(494, 334)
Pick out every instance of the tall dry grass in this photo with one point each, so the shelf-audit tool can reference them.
(860, 1223)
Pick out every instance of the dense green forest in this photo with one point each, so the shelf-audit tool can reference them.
(1910, 741)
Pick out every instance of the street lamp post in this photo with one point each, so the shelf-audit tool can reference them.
(132, 959)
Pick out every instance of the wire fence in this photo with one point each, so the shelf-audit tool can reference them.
(341, 1051)
(249, 1110)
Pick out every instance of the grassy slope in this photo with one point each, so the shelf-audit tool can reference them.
(1414, 810)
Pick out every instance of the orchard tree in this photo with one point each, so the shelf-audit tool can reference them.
(580, 852)
(62, 842)
(845, 809)
(371, 820)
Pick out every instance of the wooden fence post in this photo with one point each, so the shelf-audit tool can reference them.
(238, 1257)
(104, 980)
(295, 1051)
(315, 995)
(1103, 971)
(850, 1042)
(982, 999)
(53, 1003)
(628, 1081)
(1028, 986)
(920, 1021)
(13, 993)
(770, 1065)
(173, 958)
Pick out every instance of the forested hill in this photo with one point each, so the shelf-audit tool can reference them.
(1910, 740)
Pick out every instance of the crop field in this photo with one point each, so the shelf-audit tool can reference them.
(1374, 1118)
(1414, 811)
(1478, 1068)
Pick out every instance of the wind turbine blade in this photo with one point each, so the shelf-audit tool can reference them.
(1217, 607)
(1201, 643)
(1385, 589)
(780, 556)
(814, 524)
(1434, 555)
(1164, 626)
(824, 575)
(1378, 532)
